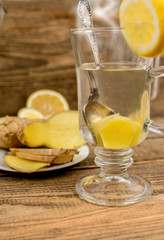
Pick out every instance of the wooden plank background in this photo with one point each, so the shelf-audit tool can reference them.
(36, 53)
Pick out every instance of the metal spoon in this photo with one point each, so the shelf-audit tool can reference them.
(93, 110)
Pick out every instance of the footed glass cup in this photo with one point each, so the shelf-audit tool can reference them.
(110, 75)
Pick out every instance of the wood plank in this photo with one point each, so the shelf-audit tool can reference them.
(148, 151)
(36, 53)
(42, 205)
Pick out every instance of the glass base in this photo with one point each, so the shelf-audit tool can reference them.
(113, 190)
(113, 186)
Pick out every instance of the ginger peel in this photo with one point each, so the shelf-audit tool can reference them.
(52, 156)
(8, 128)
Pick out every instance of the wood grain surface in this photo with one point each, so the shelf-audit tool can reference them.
(45, 205)
(36, 53)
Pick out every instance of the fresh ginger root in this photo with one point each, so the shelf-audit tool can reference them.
(59, 131)
(22, 165)
(45, 151)
(52, 156)
(8, 131)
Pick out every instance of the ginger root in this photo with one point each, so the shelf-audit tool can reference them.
(31, 160)
(22, 165)
(8, 131)
(59, 131)
(52, 156)
(45, 151)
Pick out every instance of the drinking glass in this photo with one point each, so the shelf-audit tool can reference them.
(123, 82)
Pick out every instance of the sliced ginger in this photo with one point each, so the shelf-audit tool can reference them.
(118, 132)
(59, 131)
(31, 160)
(45, 151)
(54, 156)
(47, 159)
(22, 165)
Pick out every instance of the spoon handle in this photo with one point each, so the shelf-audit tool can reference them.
(94, 94)
(85, 14)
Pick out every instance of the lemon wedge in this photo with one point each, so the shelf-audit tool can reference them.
(137, 134)
(47, 102)
(145, 108)
(144, 112)
(29, 113)
(144, 23)
(95, 126)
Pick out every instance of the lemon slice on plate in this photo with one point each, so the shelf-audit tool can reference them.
(144, 20)
(47, 102)
(29, 113)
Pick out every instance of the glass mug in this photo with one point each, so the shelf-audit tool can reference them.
(114, 88)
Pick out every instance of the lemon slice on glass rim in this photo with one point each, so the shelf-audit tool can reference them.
(143, 21)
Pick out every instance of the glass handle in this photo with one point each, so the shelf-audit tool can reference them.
(155, 126)
(157, 72)
(155, 84)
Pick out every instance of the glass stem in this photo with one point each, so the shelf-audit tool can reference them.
(113, 163)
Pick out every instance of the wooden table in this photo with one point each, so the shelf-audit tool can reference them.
(46, 206)
(36, 53)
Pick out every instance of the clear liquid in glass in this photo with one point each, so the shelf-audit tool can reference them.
(122, 87)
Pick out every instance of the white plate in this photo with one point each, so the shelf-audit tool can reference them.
(83, 153)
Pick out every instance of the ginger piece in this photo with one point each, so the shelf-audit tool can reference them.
(45, 151)
(59, 131)
(22, 165)
(8, 128)
(46, 159)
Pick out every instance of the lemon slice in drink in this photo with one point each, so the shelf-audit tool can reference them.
(144, 112)
(144, 20)
(47, 102)
(145, 108)
(29, 113)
